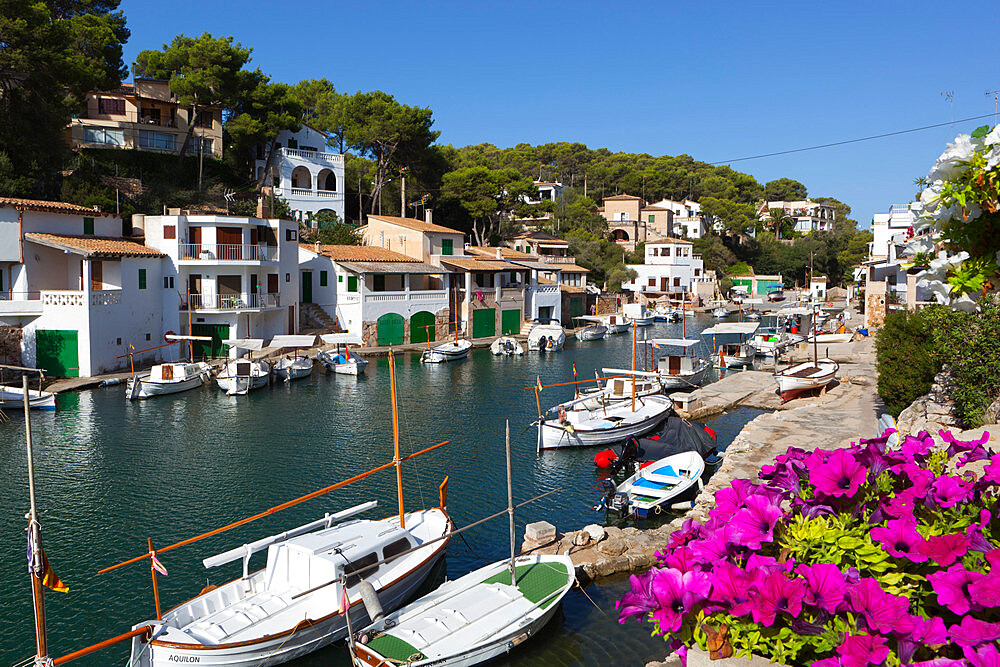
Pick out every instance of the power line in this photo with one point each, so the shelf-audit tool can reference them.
(853, 141)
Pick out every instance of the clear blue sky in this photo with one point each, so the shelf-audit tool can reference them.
(715, 80)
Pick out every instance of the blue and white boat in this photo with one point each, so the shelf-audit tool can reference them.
(656, 487)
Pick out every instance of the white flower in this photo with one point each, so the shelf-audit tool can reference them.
(993, 137)
(931, 196)
(993, 156)
(923, 222)
(965, 303)
(940, 267)
(920, 244)
(972, 211)
(953, 160)
(941, 292)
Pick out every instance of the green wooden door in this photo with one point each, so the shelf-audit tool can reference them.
(307, 287)
(213, 349)
(510, 321)
(422, 327)
(575, 308)
(58, 352)
(484, 323)
(389, 329)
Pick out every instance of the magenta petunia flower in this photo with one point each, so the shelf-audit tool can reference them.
(945, 549)
(974, 531)
(992, 471)
(639, 602)
(755, 523)
(938, 662)
(956, 446)
(840, 475)
(882, 611)
(953, 587)
(825, 585)
(731, 585)
(973, 632)
(768, 564)
(986, 591)
(729, 500)
(776, 594)
(916, 448)
(689, 530)
(676, 594)
(900, 539)
(683, 559)
(986, 655)
(921, 632)
(862, 650)
(948, 491)
(716, 544)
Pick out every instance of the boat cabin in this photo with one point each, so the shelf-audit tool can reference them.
(677, 364)
(174, 372)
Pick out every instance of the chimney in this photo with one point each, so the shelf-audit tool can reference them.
(499, 254)
(429, 216)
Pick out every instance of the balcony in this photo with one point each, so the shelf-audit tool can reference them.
(557, 259)
(307, 192)
(229, 302)
(20, 303)
(313, 156)
(546, 289)
(511, 293)
(227, 252)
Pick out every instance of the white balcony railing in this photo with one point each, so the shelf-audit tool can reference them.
(307, 192)
(105, 298)
(329, 194)
(230, 252)
(547, 289)
(429, 295)
(314, 156)
(63, 298)
(385, 296)
(233, 301)
(343, 299)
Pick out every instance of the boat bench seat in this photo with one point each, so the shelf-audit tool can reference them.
(236, 616)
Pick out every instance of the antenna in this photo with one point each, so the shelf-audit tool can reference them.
(950, 96)
(996, 102)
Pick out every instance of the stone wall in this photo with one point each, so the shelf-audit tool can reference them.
(933, 411)
(876, 304)
(442, 324)
(607, 305)
(10, 345)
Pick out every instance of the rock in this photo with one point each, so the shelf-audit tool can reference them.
(631, 531)
(581, 539)
(934, 411)
(597, 533)
(539, 531)
(992, 413)
(639, 560)
(612, 546)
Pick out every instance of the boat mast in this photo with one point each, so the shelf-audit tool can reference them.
(190, 330)
(395, 439)
(815, 348)
(510, 510)
(35, 541)
(635, 329)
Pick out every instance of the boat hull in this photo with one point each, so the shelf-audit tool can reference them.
(643, 321)
(238, 385)
(684, 381)
(591, 333)
(293, 372)
(614, 329)
(13, 397)
(150, 388)
(552, 435)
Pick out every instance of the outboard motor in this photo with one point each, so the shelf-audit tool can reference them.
(613, 501)
(629, 457)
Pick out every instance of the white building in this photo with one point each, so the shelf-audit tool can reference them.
(888, 257)
(74, 293)
(234, 277)
(670, 267)
(305, 173)
(894, 227)
(542, 293)
(385, 297)
(809, 216)
(688, 220)
(817, 287)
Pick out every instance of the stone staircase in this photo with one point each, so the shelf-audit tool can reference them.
(313, 319)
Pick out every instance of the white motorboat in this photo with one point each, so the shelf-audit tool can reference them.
(506, 345)
(292, 368)
(450, 351)
(591, 329)
(343, 361)
(732, 353)
(616, 390)
(546, 337)
(615, 324)
(753, 315)
(240, 376)
(720, 312)
(472, 619)
(653, 487)
(168, 378)
(805, 376)
(638, 313)
(831, 338)
(601, 426)
(679, 371)
(736, 355)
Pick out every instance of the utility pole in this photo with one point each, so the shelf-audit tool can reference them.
(360, 210)
(584, 184)
(402, 192)
(996, 102)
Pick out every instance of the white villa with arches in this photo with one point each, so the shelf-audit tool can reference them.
(305, 173)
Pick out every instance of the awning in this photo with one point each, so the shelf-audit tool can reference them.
(254, 344)
(341, 339)
(678, 342)
(743, 328)
(292, 341)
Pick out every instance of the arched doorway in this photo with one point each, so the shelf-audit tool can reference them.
(327, 180)
(301, 179)
(619, 236)
(422, 327)
(389, 329)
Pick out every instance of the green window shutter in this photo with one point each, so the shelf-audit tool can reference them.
(352, 283)
(142, 278)
(379, 282)
(446, 247)
(88, 226)
(340, 279)
(322, 279)
(651, 218)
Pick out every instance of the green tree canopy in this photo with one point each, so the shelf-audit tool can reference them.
(323, 108)
(262, 110)
(489, 196)
(784, 189)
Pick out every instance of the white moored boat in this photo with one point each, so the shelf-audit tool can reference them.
(651, 489)
(615, 324)
(12, 395)
(546, 337)
(720, 312)
(831, 338)
(601, 426)
(590, 329)
(292, 367)
(805, 376)
(342, 362)
(679, 371)
(616, 390)
(638, 313)
(167, 379)
(240, 376)
(506, 345)
(450, 351)
(732, 353)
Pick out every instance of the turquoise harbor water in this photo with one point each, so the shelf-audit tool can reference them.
(110, 474)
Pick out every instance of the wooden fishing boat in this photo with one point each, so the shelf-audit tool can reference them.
(241, 376)
(619, 389)
(601, 426)
(615, 324)
(343, 361)
(450, 351)
(546, 337)
(720, 312)
(12, 395)
(796, 379)
(472, 619)
(506, 345)
(828, 338)
(295, 366)
(732, 353)
(169, 378)
(638, 314)
(656, 486)
(736, 355)
(591, 329)
(679, 371)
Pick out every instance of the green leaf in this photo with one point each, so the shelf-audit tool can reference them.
(848, 543)
(981, 131)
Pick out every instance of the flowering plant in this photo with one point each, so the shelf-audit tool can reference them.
(961, 201)
(856, 556)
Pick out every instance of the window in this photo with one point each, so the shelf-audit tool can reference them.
(352, 283)
(322, 279)
(204, 119)
(393, 549)
(88, 226)
(697, 272)
(206, 145)
(288, 277)
(378, 282)
(160, 141)
(110, 106)
(293, 142)
(100, 135)
(446, 246)
(291, 234)
(169, 232)
(677, 282)
(652, 218)
(340, 279)
(142, 278)
(168, 282)
(652, 282)
(351, 567)
(147, 336)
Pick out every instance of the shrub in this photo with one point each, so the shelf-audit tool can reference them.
(971, 344)
(861, 555)
(907, 359)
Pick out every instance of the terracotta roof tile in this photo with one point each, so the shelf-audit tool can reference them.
(48, 206)
(506, 253)
(358, 253)
(540, 236)
(571, 268)
(476, 264)
(95, 246)
(669, 239)
(623, 198)
(414, 224)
